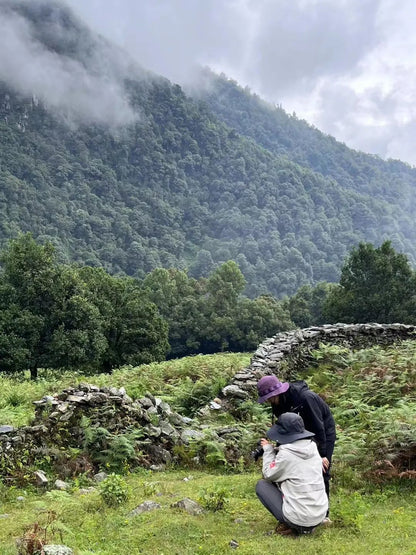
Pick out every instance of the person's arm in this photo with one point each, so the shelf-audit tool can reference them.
(273, 466)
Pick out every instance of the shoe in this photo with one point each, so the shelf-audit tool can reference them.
(283, 530)
(327, 521)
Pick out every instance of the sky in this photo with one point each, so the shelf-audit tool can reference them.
(346, 66)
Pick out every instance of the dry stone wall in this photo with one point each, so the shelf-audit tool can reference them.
(60, 420)
(286, 354)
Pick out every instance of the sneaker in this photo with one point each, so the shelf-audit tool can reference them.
(327, 521)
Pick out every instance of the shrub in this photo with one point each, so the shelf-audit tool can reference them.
(114, 490)
(214, 500)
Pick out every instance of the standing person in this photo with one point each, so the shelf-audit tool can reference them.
(293, 488)
(297, 397)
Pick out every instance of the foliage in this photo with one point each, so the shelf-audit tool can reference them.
(134, 331)
(114, 490)
(46, 319)
(215, 499)
(114, 452)
(244, 519)
(349, 510)
(306, 306)
(37, 535)
(371, 393)
(195, 182)
(211, 315)
(376, 285)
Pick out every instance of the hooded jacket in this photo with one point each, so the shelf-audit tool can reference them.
(315, 412)
(297, 470)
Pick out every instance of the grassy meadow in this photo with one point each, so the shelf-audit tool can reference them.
(372, 394)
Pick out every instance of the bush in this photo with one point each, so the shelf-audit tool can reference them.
(114, 490)
(214, 500)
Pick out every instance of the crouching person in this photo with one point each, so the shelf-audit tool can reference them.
(293, 487)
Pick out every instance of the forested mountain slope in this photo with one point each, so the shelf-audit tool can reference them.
(177, 185)
(277, 131)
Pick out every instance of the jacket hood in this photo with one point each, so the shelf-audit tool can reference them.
(296, 389)
(303, 448)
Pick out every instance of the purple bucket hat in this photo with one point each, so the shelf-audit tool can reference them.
(269, 386)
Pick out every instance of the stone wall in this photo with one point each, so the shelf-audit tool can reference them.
(60, 421)
(286, 354)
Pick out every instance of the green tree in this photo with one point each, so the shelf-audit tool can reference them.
(134, 330)
(376, 285)
(47, 320)
(257, 319)
(307, 305)
(180, 300)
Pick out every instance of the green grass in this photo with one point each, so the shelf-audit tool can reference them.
(388, 523)
(162, 379)
(372, 395)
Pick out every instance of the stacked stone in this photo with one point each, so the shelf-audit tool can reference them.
(58, 418)
(288, 353)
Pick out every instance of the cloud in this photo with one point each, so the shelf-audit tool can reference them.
(346, 66)
(69, 86)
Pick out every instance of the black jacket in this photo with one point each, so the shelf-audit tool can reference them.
(316, 414)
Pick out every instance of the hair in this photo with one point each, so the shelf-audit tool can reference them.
(284, 404)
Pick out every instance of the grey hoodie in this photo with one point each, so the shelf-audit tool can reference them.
(297, 470)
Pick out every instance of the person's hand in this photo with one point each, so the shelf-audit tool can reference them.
(325, 464)
(264, 442)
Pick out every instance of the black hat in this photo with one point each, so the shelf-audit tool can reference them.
(289, 428)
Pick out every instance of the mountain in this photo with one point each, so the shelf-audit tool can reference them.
(121, 168)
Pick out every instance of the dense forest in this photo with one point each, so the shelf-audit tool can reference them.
(60, 316)
(193, 182)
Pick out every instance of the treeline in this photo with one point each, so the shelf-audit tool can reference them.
(80, 317)
(59, 316)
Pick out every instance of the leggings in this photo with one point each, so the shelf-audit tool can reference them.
(272, 498)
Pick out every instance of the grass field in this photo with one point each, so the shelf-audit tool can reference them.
(367, 518)
(378, 523)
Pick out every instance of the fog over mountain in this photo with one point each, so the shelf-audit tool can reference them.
(346, 66)
(180, 179)
(52, 55)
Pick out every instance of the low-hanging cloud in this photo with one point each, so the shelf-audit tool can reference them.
(311, 56)
(65, 84)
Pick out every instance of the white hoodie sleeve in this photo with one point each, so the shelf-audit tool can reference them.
(274, 464)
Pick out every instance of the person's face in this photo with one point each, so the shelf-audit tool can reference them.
(274, 400)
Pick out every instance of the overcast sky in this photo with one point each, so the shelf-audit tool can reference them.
(347, 66)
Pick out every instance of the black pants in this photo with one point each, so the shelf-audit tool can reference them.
(272, 498)
(327, 475)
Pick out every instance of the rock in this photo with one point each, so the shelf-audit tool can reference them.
(234, 391)
(61, 485)
(57, 550)
(167, 429)
(188, 505)
(188, 434)
(41, 479)
(146, 403)
(100, 476)
(6, 429)
(86, 491)
(20, 499)
(157, 467)
(144, 507)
